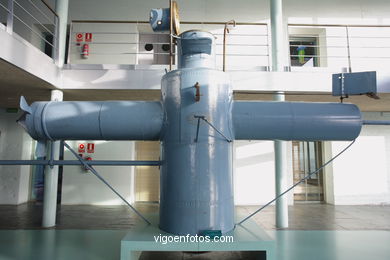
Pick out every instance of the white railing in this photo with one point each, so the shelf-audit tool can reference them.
(34, 21)
(339, 47)
(325, 47)
(132, 42)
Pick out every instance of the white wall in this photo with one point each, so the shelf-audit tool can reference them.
(17, 51)
(298, 11)
(190, 10)
(113, 52)
(254, 172)
(15, 144)
(82, 187)
(362, 174)
(338, 12)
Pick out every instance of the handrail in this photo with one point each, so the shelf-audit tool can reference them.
(238, 23)
(339, 25)
(32, 30)
(217, 44)
(49, 7)
(147, 22)
(218, 34)
(39, 10)
(250, 44)
(33, 17)
(34, 14)
(360, 48)
(5, 8)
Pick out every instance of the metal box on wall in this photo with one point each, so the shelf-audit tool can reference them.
(357, 83)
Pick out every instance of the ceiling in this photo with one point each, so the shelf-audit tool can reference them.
(15, 82)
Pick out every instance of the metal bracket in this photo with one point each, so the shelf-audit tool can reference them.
(343, 96)
(197, 93)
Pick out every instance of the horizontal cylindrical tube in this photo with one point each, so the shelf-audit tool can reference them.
(85, 120)
(299, 121)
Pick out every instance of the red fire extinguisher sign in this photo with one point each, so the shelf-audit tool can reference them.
(79, 37)
(90, 147)
(88, 37)
(81, 148)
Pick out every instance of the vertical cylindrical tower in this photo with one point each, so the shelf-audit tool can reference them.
(196, 174)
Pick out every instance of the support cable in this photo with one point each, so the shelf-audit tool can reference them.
(212, 126)
(86, 165)
(296, 184)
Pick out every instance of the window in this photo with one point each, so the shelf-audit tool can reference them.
(304, 51)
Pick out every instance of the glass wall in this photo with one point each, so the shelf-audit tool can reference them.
(307, 157)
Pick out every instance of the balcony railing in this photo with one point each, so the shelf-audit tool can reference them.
(312, 46)
(34, 21)
(133, 42)
(339, 47)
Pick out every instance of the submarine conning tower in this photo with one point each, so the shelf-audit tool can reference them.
(196, 49)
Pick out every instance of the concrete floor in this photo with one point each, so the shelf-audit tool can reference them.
(94, 232)
(302, 217)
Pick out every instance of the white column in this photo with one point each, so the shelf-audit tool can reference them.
(278, 36)
(62, 11)
(51, 177)
(281, 177)
(280, 147)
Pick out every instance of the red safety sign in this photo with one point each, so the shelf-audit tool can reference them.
(81, 148)
(90, 147)
(79, 37)
(88, 37)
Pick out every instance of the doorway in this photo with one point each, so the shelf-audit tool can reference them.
(147, 178)
(307, 157)
(38, 178)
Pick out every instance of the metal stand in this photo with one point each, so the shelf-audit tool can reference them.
(247, 237)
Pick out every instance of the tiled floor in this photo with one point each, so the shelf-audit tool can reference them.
(328, 217)
(317, 231)
(302, 217)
